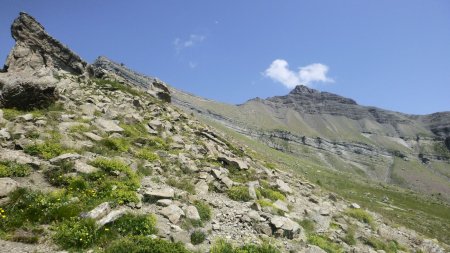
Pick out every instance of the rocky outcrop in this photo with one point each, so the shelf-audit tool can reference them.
(104, 66)
(27, 90)
(35, 49)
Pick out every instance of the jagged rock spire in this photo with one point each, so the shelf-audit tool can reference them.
(35, 49)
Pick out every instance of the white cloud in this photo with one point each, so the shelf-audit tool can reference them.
(193, 39)
(279, 71)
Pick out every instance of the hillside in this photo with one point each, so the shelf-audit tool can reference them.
(95, 159)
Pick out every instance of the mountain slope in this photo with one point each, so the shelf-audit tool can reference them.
(92, 162)
(344, 135)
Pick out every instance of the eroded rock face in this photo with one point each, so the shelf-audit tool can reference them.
(104, 66)
(27, 90)
(35, 49)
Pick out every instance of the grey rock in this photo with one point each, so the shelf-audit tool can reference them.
(164, 202)
(110, 217)
(65, 157)
(314, 249)
(281, 205)
(284, 187)
(192, 213)
(85, 168)
(201, 187)
(7, 185)
(35, 49)
(173, 213)
(4, 134)
(99, 212)
(24, 91)
(355, 206)
(233, 162)
(103, 66)
(108, 126)
(165, 193)
(93, 136)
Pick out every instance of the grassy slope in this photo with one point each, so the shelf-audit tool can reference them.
(427, 216)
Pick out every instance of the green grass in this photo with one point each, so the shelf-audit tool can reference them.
(308, 225)
(197, 237)
(116, 144)
(130, 224)
(222, 246)
(349, 237)
(271, 194)
(13, 169)
(425, 215)
(324, 243)
(239, 193)
(147, 155)
(114, 85)
(46, 150)
(204, 210)
(184, 184)
(141, 244)
(76, 233)
(361, 215)
(391, 246)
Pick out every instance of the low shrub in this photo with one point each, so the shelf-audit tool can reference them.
(13, 169)
(239, 193)
(324, 243)
(349, 237)
(116, 144)
(197, 237)
(76, 233)
(182, 184)
(272, 194)
(147, 154)
(46, 150)
(391, 246)
(204, 210)
(130, 224)
(141, 244)
(361, 215)
(308, 225)
(222, 246)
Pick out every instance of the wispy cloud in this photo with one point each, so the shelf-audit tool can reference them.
(279, 71)
(193, 40)
(192, 65)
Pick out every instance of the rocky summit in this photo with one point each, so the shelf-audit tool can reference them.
(94, 159)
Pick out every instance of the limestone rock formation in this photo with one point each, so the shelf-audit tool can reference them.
(35, 49)
(157, 88)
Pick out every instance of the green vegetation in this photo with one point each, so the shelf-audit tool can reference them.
(271, 194)
(197, 237)
(308, 225)
(116, 144)
(204, 210)
(391, 246)
(114, 85)
(350, 235)
(264, 203)
(76, 233)
(130, 224)
(423, 214)
(184, 184)
(239, 193)
(134, 130)
(147, 154)
(11, 114)
(324, 243)
(222, 246)
(46, 150)
(361, 215)
(141, 244)
(13, 169)
(79, 129)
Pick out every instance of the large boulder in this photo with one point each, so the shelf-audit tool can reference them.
(7, 185)
(27, 90)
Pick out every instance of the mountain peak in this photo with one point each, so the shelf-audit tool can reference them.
(302, 89)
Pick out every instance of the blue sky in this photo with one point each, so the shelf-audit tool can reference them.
(385, 53)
